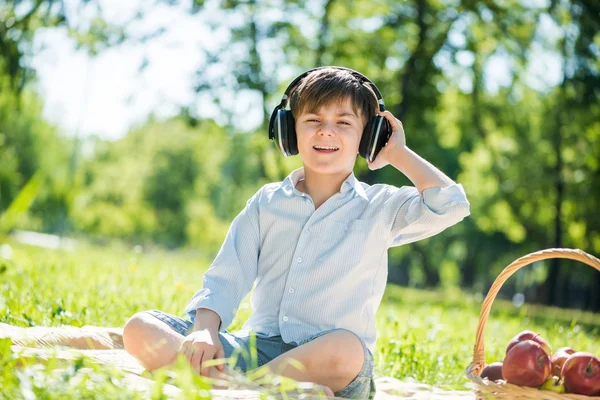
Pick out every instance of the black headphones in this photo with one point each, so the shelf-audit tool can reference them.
(282, 127)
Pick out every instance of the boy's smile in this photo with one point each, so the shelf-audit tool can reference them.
(328, 138)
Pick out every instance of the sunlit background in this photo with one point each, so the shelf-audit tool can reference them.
(145, 122)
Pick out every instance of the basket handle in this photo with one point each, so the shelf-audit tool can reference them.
(574, 254)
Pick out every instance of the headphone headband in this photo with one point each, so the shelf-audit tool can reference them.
(286, 94)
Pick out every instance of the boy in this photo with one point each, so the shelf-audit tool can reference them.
(315, 245)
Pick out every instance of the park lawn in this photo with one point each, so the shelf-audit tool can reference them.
(427, 336)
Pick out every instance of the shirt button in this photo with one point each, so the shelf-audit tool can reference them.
(299, 259)
(307, 231)
(292, 290)
(285, 318)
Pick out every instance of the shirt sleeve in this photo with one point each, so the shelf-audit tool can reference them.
(417, 216)
(233, 271)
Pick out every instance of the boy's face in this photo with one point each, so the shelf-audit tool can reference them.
(334, 125)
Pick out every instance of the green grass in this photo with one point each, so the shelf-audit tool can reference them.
(427, 336)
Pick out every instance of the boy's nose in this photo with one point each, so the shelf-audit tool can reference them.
(327, 129)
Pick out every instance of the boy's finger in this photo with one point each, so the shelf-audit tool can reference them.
(188, 352)
(373, 165)
(183, 347)
(206, 356)
(215, 374)
(196, 360)
(395, 122)
(220, 354)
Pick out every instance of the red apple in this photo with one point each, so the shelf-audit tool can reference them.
(581, 373)
(558, 359)
(493, 371)
(526, 364)
(529, 335)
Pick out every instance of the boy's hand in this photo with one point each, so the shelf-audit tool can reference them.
(201, 346)
(396, 142)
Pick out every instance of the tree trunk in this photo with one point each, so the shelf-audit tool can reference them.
(595, 294)
(430, 269)
(324, 33)
(399, 274)
(554, 287)
(469, 269)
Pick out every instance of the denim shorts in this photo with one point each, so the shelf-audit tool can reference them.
(236, 346)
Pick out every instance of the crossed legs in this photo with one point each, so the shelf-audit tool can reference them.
(332, 360)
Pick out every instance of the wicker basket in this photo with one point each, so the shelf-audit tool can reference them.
(502, 390)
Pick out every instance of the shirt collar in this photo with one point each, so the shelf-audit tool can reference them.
(350, 183)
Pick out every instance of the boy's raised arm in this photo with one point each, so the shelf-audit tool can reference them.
(421, 172)
(435, 203)
(231, 274)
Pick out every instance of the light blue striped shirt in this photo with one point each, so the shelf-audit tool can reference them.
(316, 270)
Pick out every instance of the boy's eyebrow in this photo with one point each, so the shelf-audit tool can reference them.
(339, 114)
(346, 113)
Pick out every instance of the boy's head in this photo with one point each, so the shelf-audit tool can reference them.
(331, 107)
(330, 85)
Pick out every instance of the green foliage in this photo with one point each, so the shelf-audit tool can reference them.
(78, 379)
(167, 188)
(100, 35)
(20, 204)
(172, 170)
(154, 184)
(30, 147)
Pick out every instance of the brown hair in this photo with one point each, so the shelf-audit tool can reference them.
(327, 85)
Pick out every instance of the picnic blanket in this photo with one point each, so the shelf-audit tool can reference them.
(105, 346)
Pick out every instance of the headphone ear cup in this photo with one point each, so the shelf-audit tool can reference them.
(292, 140)
(366, 139)
(284, 133)
(278, 129)
(375, 136)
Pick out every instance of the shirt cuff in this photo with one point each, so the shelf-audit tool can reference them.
(205, 299)
(438, 199)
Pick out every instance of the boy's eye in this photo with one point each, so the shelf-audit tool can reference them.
(344, 122)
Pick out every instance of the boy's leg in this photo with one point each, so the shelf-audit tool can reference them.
(337, 359)
(155, 337)
(152, 341)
